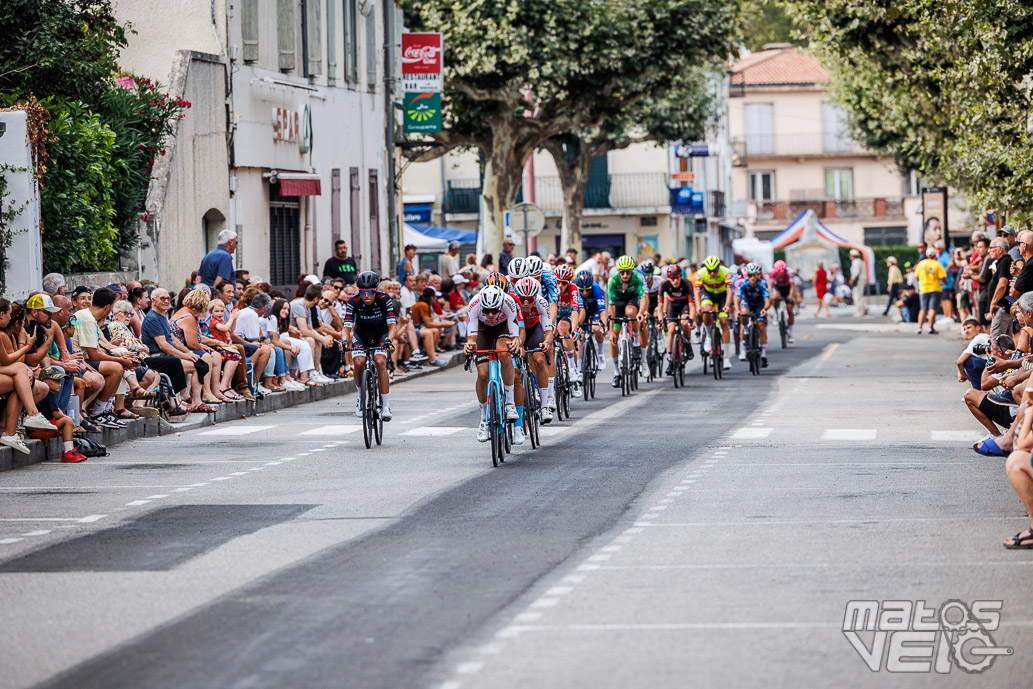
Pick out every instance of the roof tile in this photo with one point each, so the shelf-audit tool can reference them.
(778, 67)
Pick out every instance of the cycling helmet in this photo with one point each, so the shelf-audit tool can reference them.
(528, 287)
(367, 280)
(712, 263)
(583, 279)
(646, 267)
(625, 262)
(779, 266)
(673, 271)
(518, 268)
(564, 273)
(534, 266)
(753, 269)
(492, 298)
(497, 279)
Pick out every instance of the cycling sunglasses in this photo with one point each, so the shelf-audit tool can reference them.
(625, 272)
(490, 311)
(367, 292)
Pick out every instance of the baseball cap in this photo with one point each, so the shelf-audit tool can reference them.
(81, 289)
(42, 301)
(312, 279)
(1007, 229)
(459, 279)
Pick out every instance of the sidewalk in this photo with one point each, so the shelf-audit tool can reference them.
(50, 450)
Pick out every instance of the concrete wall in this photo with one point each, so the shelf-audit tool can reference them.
(165, 27)
(23, 261)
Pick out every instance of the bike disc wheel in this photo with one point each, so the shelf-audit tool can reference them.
(367, 416)
(378, 417)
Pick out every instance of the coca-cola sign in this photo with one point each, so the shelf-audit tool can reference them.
(421, 62)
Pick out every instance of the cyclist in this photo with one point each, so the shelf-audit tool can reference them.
(499, 280)
(538, 332)
(493, 317)
(369, 320)
(713, 292)
(593, 299)
(752, 296)
(570, 313)
(627, 298)
(652, 281)
(543, 273)
(781, 277)
(676, 301)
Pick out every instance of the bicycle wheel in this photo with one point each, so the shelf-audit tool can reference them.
(507, 436)
(679, 373)
(378, 412)
(533, 422)
(493, 425)
(783, 329)
(587, 362)
(367, 414)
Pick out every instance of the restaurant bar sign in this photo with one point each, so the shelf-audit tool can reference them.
(421, 63)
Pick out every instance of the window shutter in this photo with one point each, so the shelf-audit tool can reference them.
(249, 29)
(351, 43)
(315, 43)
(371, 49)
(285, 38)
(331, 42)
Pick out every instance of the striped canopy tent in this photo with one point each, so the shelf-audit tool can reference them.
(806, 228)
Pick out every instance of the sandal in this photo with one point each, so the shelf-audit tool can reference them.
(138, 393)
(211, 402)
(124, 414)
(989, 448)
(202, 409)
(1020, 541)
(88, 425)
(178, 411)
(231, 394)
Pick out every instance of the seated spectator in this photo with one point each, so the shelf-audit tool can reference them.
(246, 326)
(909, 304)
(1020, 470)
(233, 375)
(140, 299)
(89, 339)
(44, 335)
(971, 365)
(330, 323)
(81, 297)
(427, 328)
(302, 319)
(54, 284)
(185, 328)
(169, 355)
(15, 377)
(300, 348)
(87, 384)
(191, 282)
(122, 335)
(1024, 335)
(227, 294)
(994, 416)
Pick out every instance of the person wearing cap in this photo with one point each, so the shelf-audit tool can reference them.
(341, 266)
(217, 265)
(448, 263)
(894, 281)
(82, 296)
(858, 283)
(506, 255)
(1009, 235)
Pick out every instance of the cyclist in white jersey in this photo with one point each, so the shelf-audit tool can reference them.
(493, 316)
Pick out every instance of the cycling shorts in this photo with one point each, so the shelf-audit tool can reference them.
(534, 336)
(784, 291)
(369, 338)
(715, 298)
(677, 308)
(654, 301)
(487, 336)
(755, 307)
(619, 307)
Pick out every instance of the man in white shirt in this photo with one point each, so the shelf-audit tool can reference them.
(448, 263)
(971, 365)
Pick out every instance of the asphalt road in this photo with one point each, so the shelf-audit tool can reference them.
(708, 536)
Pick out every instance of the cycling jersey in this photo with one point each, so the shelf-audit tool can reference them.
(633, 291)
(782, 278)
(535, 312)
(753, 295)
(714, 282)
(681, 293)
(507, 314)
(595, 302)
(548, 280)
(368, 317)
(652, 283)
(569, 300)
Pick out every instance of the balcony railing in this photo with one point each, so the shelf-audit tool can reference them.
(778, 145)
(829, 209)
(618, 191)
(462, 196)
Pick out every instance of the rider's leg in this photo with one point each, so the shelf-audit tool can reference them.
(359, 362)
(482, 389)
(518, 399)
(506, 363)
(541, 374)
(632, 312)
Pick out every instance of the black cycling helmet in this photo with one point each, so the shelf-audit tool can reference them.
(367, 280)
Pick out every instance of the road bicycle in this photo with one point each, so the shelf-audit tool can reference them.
(628, 369)
(751, 335)
(783, 324)
(589, 363)
(678, 347)
(532, 397)
(564, 383)
(654, 359)
(496, 399)
(369, 390)
(714, 359)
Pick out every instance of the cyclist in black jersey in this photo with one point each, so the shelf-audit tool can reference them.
(369, 321)
(677, 300)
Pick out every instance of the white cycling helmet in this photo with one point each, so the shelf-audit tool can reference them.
(753, 269)
(534, 266)
(492, 297)
(528, 287)
(518, 268)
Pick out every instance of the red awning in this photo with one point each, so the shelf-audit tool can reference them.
(299, 184)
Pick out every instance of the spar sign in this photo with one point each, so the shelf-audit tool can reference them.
(421, 63)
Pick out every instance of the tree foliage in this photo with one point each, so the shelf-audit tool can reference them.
(943, 85)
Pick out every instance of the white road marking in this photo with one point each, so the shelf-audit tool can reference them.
(559, 590)
(600, 557)
(527, 617)
(751, 433)
(515, 630)
(573, 578)
(957, 436)
(89, 519)
(434, 431)
(7, 541)
(610, 548)
(256, 468)
(156, 497)
(545, 603)
(491, 649)
(236, 430)
(239, 473)
(272, 464)
(334, 429)
(469, 668)
(137, 503)
(222, 478)
(39, 519)
(849, 434)
(182, 490)
(318, 449)
(40, 532)
(197, 485)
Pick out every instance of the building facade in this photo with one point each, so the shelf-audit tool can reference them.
(793, 152)
(285, 140)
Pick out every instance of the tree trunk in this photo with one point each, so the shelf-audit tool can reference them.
(573, 173)
(505, 158)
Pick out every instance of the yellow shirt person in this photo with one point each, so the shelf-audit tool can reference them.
(930, 274)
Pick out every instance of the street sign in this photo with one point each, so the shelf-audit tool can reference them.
(683, 176)
(526, 218)
(421, 62)
(422, 113)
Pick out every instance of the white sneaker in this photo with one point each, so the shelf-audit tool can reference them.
(264, 390)
(602, 363)
(742, 353)
(418, 356)
(706, 344)
(546, 415)
(296, 386)
(728, 363)
(358, 409)
(385, 413)
(518, 435)
(511, 412)
(14, 442)
(39, 422)
(551, 406)
(483, 435)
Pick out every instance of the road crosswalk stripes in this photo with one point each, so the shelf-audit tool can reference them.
(236, 430)
(333, 429)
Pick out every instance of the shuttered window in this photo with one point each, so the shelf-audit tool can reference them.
(284, 237)
(354, 213)
(331, 42)
(285, 34)
(351, 42)
(249, 29)
(313, 37)
(374, 221)
(371, 49)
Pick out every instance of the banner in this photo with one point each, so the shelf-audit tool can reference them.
(422, 113)
(421, 62)
(934, 215)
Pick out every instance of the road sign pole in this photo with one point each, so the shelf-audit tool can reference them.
(527, 241)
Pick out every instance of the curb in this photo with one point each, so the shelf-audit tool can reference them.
(51, 450)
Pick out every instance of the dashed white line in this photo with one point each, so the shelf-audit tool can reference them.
(39, 532)
(527, 617)
(751, 433)
(156, 497)
(91, 518)
(8, 541)
(182, 490)
(222, 478)
(239, 473)
(599, 557)
(469, 668)
(545, 603)
(137, 503)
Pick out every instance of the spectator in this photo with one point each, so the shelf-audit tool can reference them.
(1024, 282)
(930, 280)
(1020, 472)
(997, 287)
(301, 318)
(407, 266)
(947, 296)
(89, 339)
(54, 284)
(488, 263)
(427, 328)
(571, 257)
(821, 289)
(299, 347)
(894, 281)
(217, 265)
(140, 300)
(234, 377)
(448, 263)
(340, 266)
(505, 256)
(122, 334)
(186, 329)
(909, 305)
(190, 283)
(14, 377)
(1008, 234)
(963, 293)
(330, 323)
(168, 355)
(408, 295)
(971, 365)
(247, 327)
(227, 294)
(988, 412)
(43, 335)
(82, 296)
(978, 271)
(858, 283)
